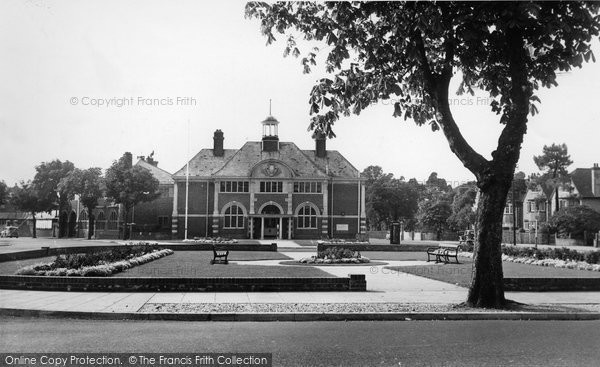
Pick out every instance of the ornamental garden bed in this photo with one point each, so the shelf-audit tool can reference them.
(96, 263)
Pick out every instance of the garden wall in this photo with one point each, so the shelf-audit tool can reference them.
(551, 284)
(354, 282)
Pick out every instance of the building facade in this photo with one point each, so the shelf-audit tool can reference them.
(268, 189)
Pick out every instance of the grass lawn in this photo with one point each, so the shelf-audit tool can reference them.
(460, 274)
(196, 264)
(398, 256)
(10, 267)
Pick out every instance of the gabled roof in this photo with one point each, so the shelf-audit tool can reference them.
(163, 177)
(238, 163)
(582, 180)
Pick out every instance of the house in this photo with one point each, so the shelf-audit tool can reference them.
(535, 207)
(268, 189)
(583, 189)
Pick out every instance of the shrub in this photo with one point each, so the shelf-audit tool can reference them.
(574, 221)
(563, 253)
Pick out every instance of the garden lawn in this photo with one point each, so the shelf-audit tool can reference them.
(10, 267)
(460, 274)
(395, 256)
(196, 264)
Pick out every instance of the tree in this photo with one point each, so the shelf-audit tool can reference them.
(88, 185)
(463, 214)
(410, 51)
(26, 197)
(3, 192)
(554, 160)
(574, 221)
(434, 214)
(46, 180)
(129, 185)
(388, 199)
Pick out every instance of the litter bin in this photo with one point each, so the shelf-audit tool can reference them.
(395, 234)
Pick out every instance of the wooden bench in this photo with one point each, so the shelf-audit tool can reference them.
(219, 255)
(443, 253)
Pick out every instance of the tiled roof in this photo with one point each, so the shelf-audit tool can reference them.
(160, 174)
(582, 179)
(238, 163)
(205, 163)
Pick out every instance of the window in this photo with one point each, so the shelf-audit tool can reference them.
(542, 206)
(235, 186)
(508, 209)
(83, 219)
(271, 186)
(101, 221)
(164, 222)
(309, 187)
(307, 217)
(112, 220)
(234, 217)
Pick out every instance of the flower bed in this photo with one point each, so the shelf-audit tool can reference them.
(97, 264)
(216, 240)
(341, 241)
(335, 255)
(553, 257)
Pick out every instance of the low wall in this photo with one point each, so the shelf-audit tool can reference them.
(45, 251)
(371, 247)
(551, 284)
(354, 282)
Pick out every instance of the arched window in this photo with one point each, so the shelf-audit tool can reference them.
(307, 217)
(83, 219)
(234, 217)
(101, 221)
(112, 220)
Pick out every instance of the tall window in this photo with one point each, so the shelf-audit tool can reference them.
(234, 217)
(112, 220)
(235, 186)
(271, 186)
(83, 219)
(310, 187)
(508, 209)
(307, 217)
(101, 221)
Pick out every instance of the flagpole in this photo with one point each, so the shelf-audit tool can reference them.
(187, 181)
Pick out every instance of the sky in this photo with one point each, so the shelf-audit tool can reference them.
(86, 81)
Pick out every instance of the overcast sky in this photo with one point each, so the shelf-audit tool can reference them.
(59, 58)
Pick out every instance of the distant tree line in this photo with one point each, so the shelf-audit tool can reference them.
(55, 183)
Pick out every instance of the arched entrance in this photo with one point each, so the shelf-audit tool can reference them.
(72, 224)
(270, 223)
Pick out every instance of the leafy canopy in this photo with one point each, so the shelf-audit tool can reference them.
(383, 50)
(129, 185)
(86, 183)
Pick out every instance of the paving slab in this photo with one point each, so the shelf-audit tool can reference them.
(131, 303)
(200, 297)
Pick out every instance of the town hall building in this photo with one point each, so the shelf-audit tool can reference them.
(268, 189)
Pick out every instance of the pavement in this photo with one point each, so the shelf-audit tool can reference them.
(390, 295)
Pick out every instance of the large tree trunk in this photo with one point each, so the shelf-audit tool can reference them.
(487, 285)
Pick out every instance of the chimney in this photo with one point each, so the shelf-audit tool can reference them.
(596, 180)
(270, 140)
(320, 144)
(218, 144)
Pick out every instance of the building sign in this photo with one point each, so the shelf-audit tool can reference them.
(341, 227)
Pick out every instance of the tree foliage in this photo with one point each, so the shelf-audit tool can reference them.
(26, 197)
(46, 181)
(574, 221)
(464, 213)
(388, 199)
(130, 185)
(3, 193)
(87, 184)
(554, 160)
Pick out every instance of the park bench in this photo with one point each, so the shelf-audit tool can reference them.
(219, 255)
(443, 253)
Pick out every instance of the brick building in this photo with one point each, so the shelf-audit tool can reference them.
(268, 189)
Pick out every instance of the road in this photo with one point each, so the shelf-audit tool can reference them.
(408, 343)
